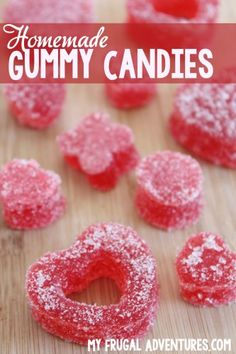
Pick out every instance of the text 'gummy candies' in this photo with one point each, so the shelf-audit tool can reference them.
(53, 11)
(36, 106)
(101, 149)
(207, 271)
(169, 191)
(128, 96)
(204, 121)
(174, 11)
(30, 196)
(103, 250)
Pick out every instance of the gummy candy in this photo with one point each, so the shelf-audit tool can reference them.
(172, 11)
(127, 96)
(30, 196)
(177, 8)
(53, 11)
(169, 190)
(204, 122)
(36, 105)
(147, 14)
(103, 250)
(207, 271)
(101, 149)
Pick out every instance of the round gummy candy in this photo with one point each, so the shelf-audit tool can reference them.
(30, 196)
(100, 149)
(127, 96)
(204, 121)
(104, 250)
(172, 11)
(169, 190)
(44, 11)
(207, 271)
(36, 105)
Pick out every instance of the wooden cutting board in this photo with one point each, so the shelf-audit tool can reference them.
(176, 319)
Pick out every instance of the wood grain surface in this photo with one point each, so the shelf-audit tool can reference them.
(176, 319)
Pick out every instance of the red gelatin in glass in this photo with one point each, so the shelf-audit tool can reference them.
(100, 149)
(104, 250)
(36, 106)
(204, 121)
(207, 271)
(44, 11)
(30, 196)
(128, 96)
(169, 190)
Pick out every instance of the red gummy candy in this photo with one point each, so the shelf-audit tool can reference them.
(44, 11)
(204, 121)
(169, 190)
(127, 96)
(172, 11)
(104, 250)
(177, 8)
(207, 271)
(36, 106)
(30, 196)
(102, 150)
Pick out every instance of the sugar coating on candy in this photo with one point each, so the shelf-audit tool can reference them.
(103, 250)
(206, 269)
(204, 122)
(30, 196)
(127, 96)
(36, 105)
(156, 11)
(101, 149)
(53, 11)
(169, 190)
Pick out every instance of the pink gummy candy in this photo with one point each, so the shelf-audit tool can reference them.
(104, 250)
(207, 271)
(36, 106)
(44, 11)
(128, 96)
(204, 121)
(101, 149)
(30, 196)
(172, 11)
(169, 190)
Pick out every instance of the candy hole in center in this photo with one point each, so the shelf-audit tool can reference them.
(102, 291)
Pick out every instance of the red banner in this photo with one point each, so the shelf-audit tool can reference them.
(96, 53)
